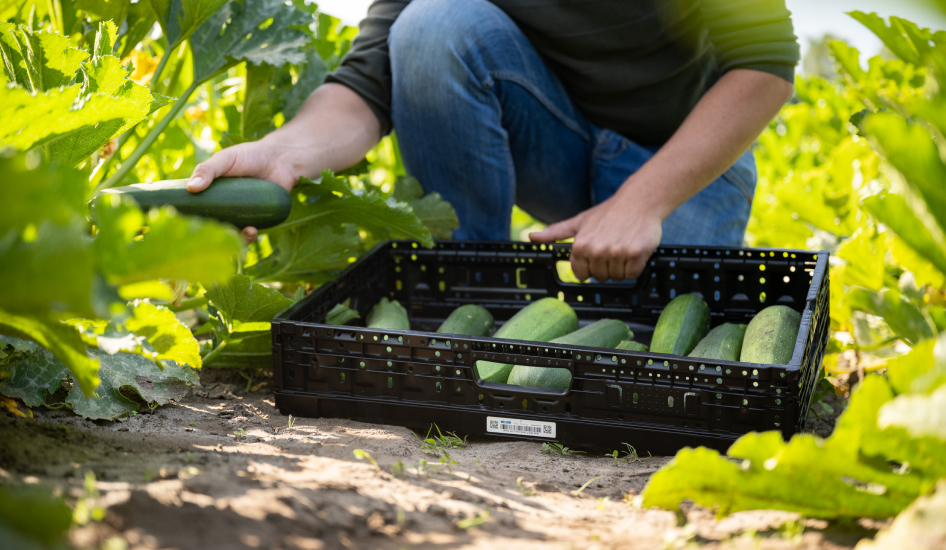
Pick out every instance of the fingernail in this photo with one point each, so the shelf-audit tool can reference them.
(195, 182)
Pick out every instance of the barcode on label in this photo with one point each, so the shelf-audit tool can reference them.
(515, 426)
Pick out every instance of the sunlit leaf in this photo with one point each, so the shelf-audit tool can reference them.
(256, 31)
(39, 61)
(309, 249)
(33, 375)
(332, 201)
(154, 385)
(903, 317)
(242, 301)
(180, 18)
(173, 247)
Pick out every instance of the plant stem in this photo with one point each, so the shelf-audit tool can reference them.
(189, 304)
(156, 77)
(214, 352)
(148, 141)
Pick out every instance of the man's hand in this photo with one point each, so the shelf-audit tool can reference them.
(613, 240)
(255, 160)
(333, 130)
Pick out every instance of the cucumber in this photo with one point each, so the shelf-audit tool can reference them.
(468, 320)
(723, 343)
(388, 314)
(538, 322)
(631, 345)
(770, 337)
(240, 201)
(682, 324)
(606, 333)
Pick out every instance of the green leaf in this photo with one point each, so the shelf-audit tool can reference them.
(864, 254)
(903, 38)
(40, 191)
(180, 18)
(250, 352)
(918, 371)
(801, 477)
(31, 518)
(256, 31)
(173, 247)
(407, 189)
(242, 301)
(127, 370)
(912, 150)
(38, 61)
(138, 24)
(33, 120)
(51, 269)
(332, 201)
(35, 374)
(309, 249)
(167, 336)
(63, 340)
(903, 317)
(848, 58)
(257, 106)
(437, 214)
(926, 239)
(104, 10)
(919, 527)
(311, 76)
(920, 415)
(341, 315)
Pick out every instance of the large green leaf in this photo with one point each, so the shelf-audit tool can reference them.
(905, 39)
(156, 386)
(332, 201)
(864, 254)
(40, 191)
(48, 270)
(827, 479)
(256, 31)
(903, 317)
(926, 238)
(35, 374)
(919, 527)
(341, 315)
(173, 247)
(104, 10)
(38, 61)
(311, 76)
(309, 249)
(247, 305)
(63, 340)
(32, 120)
(912, 150)
(148, 330)
(103, 74)
(801, 477)
(258, 110)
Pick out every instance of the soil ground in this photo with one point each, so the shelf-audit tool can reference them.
(213, 473)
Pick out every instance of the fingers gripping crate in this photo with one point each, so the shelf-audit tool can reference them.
(656, 402)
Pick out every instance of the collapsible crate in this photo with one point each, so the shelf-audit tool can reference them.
(658, 403)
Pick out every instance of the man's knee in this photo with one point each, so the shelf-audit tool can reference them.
(429, 35)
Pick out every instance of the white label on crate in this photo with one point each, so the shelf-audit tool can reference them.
(514, 426)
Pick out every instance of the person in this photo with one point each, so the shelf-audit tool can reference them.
(623, 123)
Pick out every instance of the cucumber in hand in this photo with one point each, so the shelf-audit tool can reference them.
(244, 202)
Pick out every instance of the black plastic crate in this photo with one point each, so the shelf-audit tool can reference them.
(658, 403)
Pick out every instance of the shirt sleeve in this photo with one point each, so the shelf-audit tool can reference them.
(366, 69)
(753, 34)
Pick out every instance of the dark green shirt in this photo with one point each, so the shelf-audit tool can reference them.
(637, 67)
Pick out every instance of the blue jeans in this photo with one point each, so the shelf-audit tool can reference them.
(482, 120)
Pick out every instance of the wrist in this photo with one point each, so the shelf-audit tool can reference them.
(639, 196)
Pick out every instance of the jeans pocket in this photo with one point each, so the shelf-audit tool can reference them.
(610, 144)
(743, 175)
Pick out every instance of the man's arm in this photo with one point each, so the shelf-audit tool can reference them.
(614, 239)
(333, 130)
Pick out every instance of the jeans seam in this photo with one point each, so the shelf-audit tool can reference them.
(741, 185)
(569, 123)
